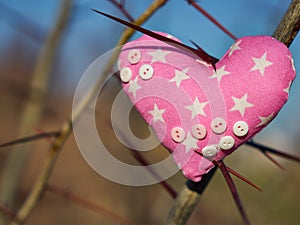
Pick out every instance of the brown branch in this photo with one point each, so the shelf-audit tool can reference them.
(285, 32)
(57, 144)
(30, 138)
(32, 111)
(289, 25)
(89, 205)
(187, 200)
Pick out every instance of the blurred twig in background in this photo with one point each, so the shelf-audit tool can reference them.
(33, 109)
(42, 179)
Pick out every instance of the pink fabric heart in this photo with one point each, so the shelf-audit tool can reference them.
(193, 108)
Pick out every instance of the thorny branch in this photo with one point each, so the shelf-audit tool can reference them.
(285, 32)
(57, 144)
(32, 111)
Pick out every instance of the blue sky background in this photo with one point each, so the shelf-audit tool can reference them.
(90, 35)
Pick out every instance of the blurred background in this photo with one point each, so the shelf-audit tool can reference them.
(24, 26)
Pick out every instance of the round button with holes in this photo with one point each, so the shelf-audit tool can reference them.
(178, 134)
(146, 71)
(209, 151)
(134, 56)
(240, 128)
(125, 74)
(218, 125)
(226, 142)
(199, 131)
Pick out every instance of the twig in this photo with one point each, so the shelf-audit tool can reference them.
(211, 18)
(122, 9)
(285, 32)
(66, 129)
(289, 25)
(187, 200)
(30, 138)
(264, 149)
(89, 205)
(32, 112)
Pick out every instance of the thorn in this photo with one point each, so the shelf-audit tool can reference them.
(235, 195)
(242, 178)
(200, 49)
(272, 160)
(273, 151)
(200, 53)
(30, 138)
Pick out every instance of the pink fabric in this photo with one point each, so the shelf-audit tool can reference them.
(251, 84)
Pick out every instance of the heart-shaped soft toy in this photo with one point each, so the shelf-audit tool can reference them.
(201, 114)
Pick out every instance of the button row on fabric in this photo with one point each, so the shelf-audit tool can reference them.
(198, 132)
(146, 71)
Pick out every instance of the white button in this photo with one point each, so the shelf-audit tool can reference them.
(125, 74)
(178, 134)
(134, 56)
(209, 151)
(198, 131)
(218, 125)
(226, 142)
(240, 128)
(146, 71)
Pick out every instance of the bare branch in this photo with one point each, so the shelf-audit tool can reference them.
(58, 142)
(289, 26)
(32, 111)
(30, 138)
(187, 200)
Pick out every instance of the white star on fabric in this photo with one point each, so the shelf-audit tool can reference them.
(170, 36)
(158, 55)
(134, 87)
(190, 143)
(220, 73)
(265, 120)
(234, 47)
(157, 113)
(292, 61)
(261, 64)
(240, 104)
(180, 76)
(197, 108)
(287, 90)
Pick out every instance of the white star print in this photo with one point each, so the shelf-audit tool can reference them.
(220, 73)
(180, 76)
(134, 86)
(158, 55)
(190, 143)
(261, 64)
(157, 113)
(292, 61)
(197, 108)
(287, 90)
(240, 104)
(234, 47)
(265, 120)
